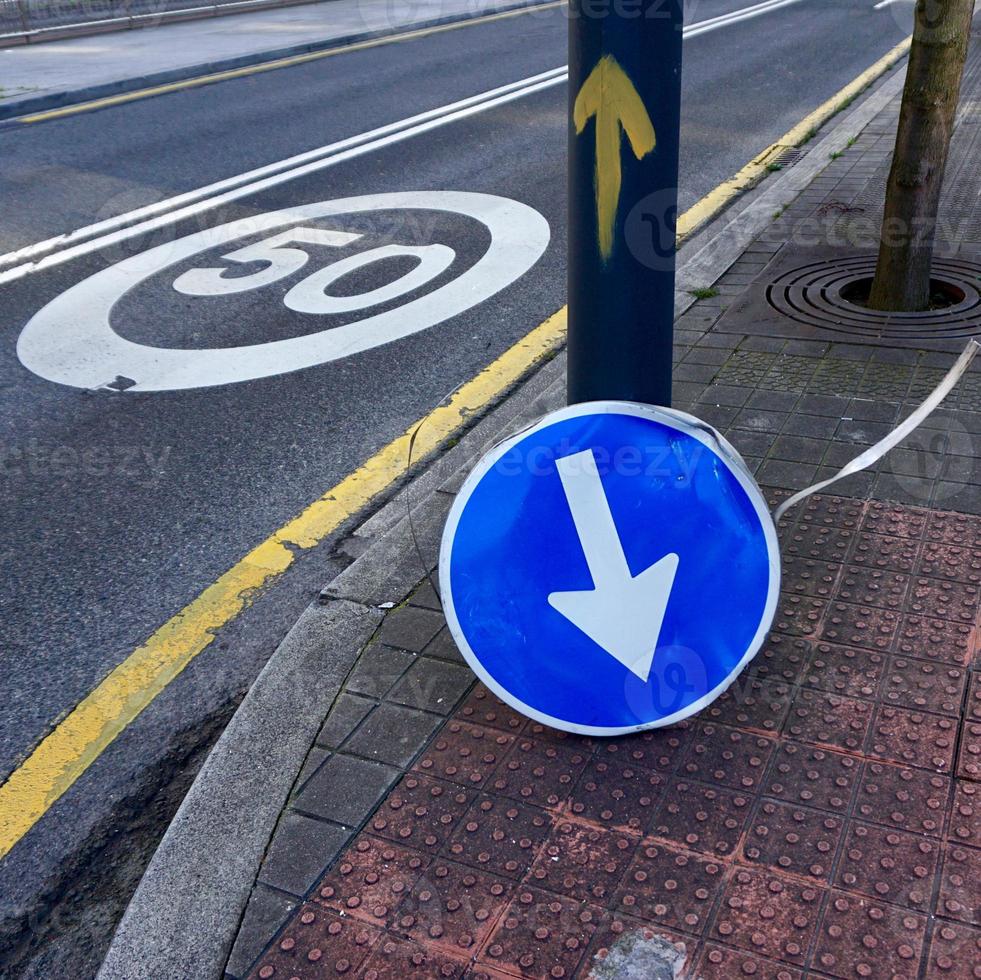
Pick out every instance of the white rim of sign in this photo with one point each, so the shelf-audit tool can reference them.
(691, 426)
(71, 341)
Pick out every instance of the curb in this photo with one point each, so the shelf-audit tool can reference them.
(58, 100)
(185, 913)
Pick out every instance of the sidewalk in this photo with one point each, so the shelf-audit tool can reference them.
(34, 77)
(820, 819)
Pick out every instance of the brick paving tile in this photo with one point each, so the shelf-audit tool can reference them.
(453, 907)
(844, 670)
(318, 943)
(906, 522)
(799, 615)
(371, 880)
(769, 915)
(863, 938)
(964, 826)
(782, 659)
(860, 626)
(969, 763)
(617, 796)
(880, 551)
(670, 888)
(660, 750)
(702, 818)
(482, 707)
(972, 706)
(826, 719)
(831, 511)
(538, 771)
(947, 561)
(951, 601)
(889, 865)
(819, 542)
(962, 530)
(465, 754)
(873, 587)
(936, 639)
(541, 935)
(756, 705)
(925, 686)
(421, 812)
(808, 577)
(955, 953)
(394, 959)
(727, 756)
(582, 862)
(499, 835)
(913, 738)
(793, 839)
(814, 777)
(960, 894)
(907, 799)
(720, 963)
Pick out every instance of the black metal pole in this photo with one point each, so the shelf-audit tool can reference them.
(625, 107)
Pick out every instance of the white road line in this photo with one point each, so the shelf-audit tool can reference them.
(83, 241)
(30, 252)
(736, 17)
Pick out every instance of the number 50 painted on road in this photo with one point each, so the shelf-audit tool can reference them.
(71, 341)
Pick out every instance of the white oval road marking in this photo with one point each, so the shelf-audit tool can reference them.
(71, 340)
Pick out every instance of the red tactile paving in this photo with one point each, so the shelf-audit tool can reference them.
(860, 937)
(960, 891)
(844, 670)
(924, 686)
(907, 799)
(889, 865)
(421, 812)
(703, 818)
(670, 888)
(913, 738)
(795, 839)
(955, 953)
(813, 777)
(614, 795)
(822, 818)
(768, 914)
(830, 720)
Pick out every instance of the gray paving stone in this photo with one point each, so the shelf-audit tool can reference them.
(426, 596)
(798, 449)
(266, 912)
(813, 426)
(773, 401)
(444, 647)
(377, 669)
(786, 475)
(345, 789)
(314, 761)
(300, 851)
(392, 734)
(347, 713)
(410, 628)
(432, 685)
(830, 405)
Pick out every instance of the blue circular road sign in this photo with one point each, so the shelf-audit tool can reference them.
(610, 569)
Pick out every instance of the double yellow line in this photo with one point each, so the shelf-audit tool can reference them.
(75, 742)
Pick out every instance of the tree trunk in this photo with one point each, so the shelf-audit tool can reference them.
(941, 34)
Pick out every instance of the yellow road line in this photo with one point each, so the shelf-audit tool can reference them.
(63, 755)
(716, 200)
(289, 62)
(89, 728)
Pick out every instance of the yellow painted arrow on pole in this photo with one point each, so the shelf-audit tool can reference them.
(610, 96)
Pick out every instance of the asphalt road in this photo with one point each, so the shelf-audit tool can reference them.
(121, 506)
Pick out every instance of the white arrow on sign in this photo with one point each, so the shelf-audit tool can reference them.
(622, 613)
